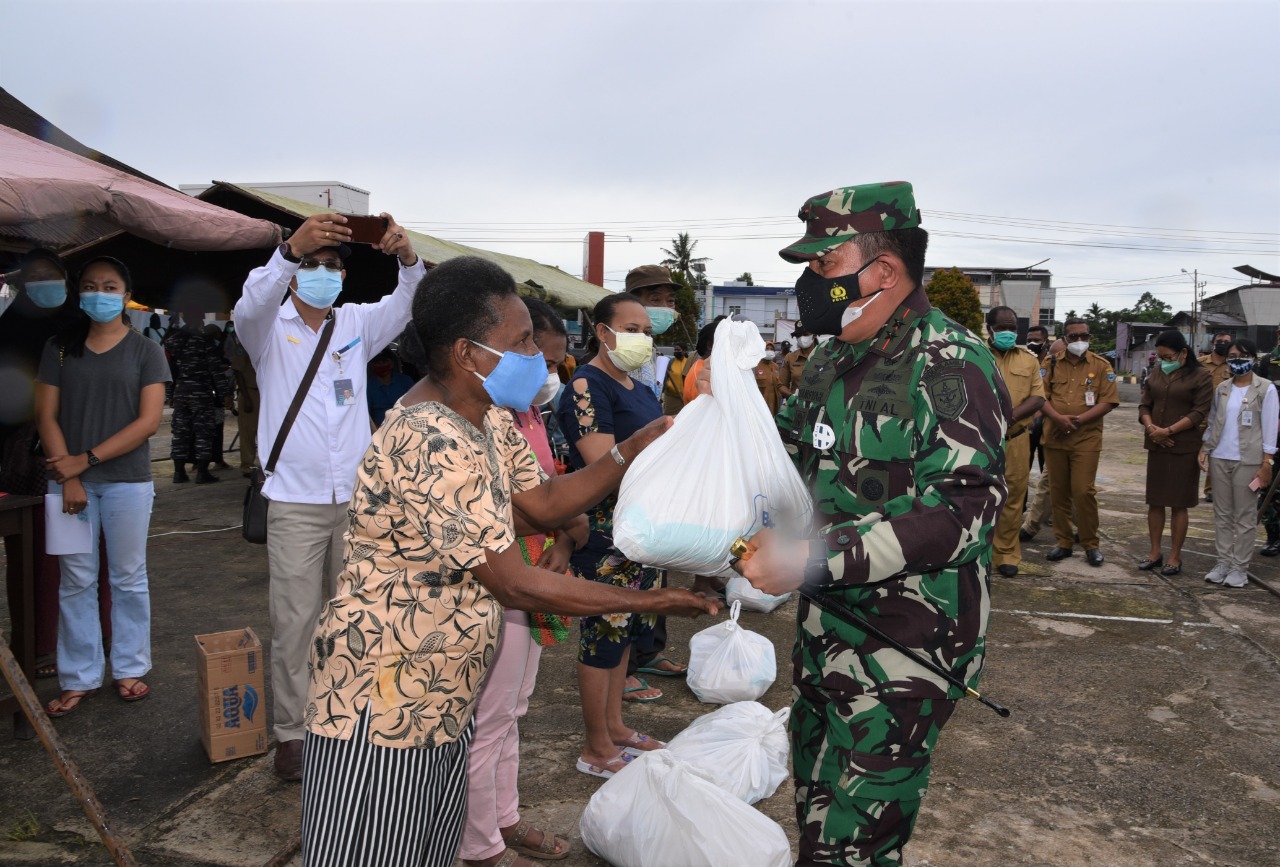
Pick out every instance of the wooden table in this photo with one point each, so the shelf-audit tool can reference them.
(16, 520)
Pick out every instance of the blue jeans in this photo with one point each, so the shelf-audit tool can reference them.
(121, 511)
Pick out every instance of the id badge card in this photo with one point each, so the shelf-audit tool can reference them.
(1246, 418)
(343, 392)
(1090, 398)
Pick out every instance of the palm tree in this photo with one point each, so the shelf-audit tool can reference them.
(680, 258)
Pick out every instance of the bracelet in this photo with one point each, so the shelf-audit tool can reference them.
(617, 456)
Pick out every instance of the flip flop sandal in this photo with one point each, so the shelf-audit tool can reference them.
(549, 850)
(652, 668)
(644, 684)
(132, 691)
(608, 769)
(75, 696)
(46, 670)
(633, 746)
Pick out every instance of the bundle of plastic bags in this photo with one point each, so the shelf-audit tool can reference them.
(661, 812)
(728, 663)
(739, 589)
(742, 747)
(715, 474)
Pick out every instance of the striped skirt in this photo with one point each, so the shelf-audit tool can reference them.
(381, 806)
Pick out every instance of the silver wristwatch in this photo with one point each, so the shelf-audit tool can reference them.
(617, 456)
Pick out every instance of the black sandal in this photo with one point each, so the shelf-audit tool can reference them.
(1172, 569)
(1148, 565)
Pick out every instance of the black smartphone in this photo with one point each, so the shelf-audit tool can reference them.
(366, 230)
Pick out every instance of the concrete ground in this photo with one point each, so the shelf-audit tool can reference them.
(1144, 727)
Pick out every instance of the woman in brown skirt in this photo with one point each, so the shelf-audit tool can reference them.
(1175, 402)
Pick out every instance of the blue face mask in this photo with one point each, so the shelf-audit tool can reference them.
(102, 306)
(1004, 340)
(319, 287)
(516, 380)
(46, 294)
(661, 318)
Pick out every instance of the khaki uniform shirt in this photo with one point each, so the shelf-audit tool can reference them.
(1067, 386)
(792, 366)
(1217, 369)
(1021, 372)
(766, 372)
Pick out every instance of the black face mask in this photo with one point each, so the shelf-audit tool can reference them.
(1034, 345)
(1220, 348)
(823, 300)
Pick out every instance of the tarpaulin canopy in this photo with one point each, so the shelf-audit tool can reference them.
(43, 185)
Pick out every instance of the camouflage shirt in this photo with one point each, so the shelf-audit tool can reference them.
(901, 438)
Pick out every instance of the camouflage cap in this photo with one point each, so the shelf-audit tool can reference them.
(834, 217)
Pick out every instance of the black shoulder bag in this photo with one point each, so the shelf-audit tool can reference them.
(254, 524)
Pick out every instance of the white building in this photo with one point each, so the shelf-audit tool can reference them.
(773, 309)
(1028, 291)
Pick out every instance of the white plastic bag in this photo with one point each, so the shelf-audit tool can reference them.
(659, 812)
(728, 663)
(711, 477)
(739, 589)
(742, 747)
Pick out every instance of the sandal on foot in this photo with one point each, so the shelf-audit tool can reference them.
(654, 667)
(606, 770)
(67, 702)
(644, 685)
(134, 690)
(552, 848)
(45, 670)
(636, 744)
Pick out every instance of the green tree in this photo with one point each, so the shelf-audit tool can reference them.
(952, 292)
(745, 277)
(1151, 309)
(690, 273)
(685, 329)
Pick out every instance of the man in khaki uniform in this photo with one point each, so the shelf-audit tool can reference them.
(1021, 371)
(793, 364)
(1038, 511)
(1216, 363)
(1080, 388)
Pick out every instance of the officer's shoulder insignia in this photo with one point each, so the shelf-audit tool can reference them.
(948, 395)
(1044, 372)
(1111, 377)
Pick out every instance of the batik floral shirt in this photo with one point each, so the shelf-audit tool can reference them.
(411, 631)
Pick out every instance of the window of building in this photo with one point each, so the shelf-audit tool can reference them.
(1046, 316)
(735, 310)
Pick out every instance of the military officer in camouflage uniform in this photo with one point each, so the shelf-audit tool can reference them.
(199, 389)
(898, 425)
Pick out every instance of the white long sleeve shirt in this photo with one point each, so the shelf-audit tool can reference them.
(1228, 448)
(320, 456)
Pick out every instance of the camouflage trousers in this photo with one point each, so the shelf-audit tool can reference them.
(196, 432)
(861, 767)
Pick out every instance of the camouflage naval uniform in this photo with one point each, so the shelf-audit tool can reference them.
(198, 390)
(902, 438)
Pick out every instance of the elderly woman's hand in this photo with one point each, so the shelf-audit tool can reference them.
(641, 439)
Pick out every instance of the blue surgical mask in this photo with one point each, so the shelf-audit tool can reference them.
(102, 306)
(516, 380)
(46, 294)
(319, 287)
(661, 318)
(1004, 340)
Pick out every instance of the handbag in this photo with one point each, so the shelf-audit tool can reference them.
(253, 524)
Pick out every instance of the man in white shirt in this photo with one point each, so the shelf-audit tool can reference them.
(313, 477)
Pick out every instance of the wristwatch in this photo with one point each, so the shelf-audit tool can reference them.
(617, 456)
(93, 459)
(288, 256)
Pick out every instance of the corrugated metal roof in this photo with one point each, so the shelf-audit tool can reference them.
(541, 281)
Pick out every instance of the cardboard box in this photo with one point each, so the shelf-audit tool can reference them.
(231, 693)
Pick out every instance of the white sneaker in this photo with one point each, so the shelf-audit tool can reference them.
(1218, 574)
(1236, 578)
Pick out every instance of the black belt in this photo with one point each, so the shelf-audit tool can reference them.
(1018, 434)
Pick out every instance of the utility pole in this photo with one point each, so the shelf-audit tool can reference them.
(1196, 286)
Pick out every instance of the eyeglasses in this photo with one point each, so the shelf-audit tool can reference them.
(313, 264)
(1077, 338)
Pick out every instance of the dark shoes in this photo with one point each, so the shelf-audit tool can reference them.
(289, 761)
(1007, 570)
(179, 474)
(1093, 556)
(204, 477)
(1056, 554)
(1172, 569)
(1149, 565)
(1271, 549)
(1026, 535)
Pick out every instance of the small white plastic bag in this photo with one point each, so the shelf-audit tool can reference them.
(728, 663)
(742, 747)
(712, 477)
(660, 812)
(739, 589)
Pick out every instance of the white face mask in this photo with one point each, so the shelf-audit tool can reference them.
(804, 342)
(548, 390)
(853, 314)
(1079, 348)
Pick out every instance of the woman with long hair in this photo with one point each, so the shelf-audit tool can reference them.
(99, 397)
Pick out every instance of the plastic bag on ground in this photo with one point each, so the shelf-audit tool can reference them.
(728, 663)
(713, 475)
(739, 589)
(660, 812)
(743, 747)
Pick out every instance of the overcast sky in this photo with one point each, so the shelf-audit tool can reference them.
(1122, 141)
